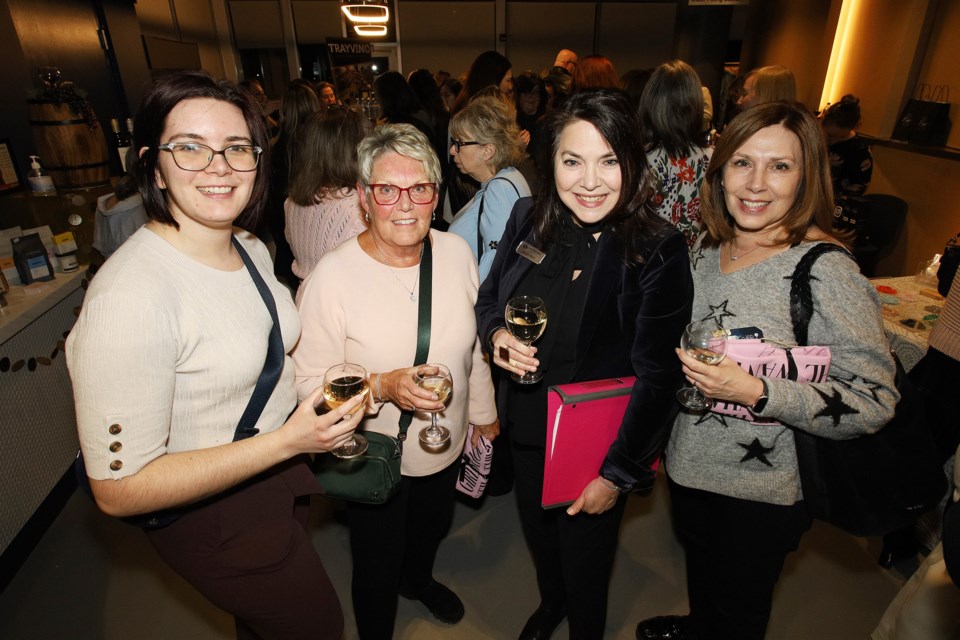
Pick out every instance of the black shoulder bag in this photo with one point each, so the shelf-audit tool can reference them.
(374, 477)
(266, 383)
(480, 215)
(872, 484)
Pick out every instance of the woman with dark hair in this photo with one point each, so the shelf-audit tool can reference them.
(489, 68)
(531, 96)
(449, 91)
(671, 111)
(851, 163)
(734, 482)
(633, 82)
(167, 352)
(297, 104)
(615, 280)
(400, 105)
(323, 207)
(595, 71)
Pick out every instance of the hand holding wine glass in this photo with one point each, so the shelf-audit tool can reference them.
(340, 383)
(437, 379)
(706, 342)
(526, 318)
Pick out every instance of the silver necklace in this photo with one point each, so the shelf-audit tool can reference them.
(383, 259)
(734, 258)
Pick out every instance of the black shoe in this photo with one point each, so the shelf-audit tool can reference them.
(665, 628)
(898, 545)
(443, 604)
(542, 623)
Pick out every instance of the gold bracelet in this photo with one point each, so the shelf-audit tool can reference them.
(376, 392)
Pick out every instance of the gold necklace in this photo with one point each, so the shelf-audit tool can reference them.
(734, 258)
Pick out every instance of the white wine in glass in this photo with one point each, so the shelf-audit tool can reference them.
(435, 378)
(526, 318)
(706, 342)
(340, 383)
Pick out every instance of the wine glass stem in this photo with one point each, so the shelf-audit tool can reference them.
(433, 423)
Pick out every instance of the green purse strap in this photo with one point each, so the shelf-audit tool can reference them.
(423, 323)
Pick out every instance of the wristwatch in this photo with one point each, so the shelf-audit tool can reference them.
(762, 400)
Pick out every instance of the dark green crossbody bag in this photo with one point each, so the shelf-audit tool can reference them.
(374, 477)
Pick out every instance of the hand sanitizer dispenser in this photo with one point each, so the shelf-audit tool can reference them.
(40, 183)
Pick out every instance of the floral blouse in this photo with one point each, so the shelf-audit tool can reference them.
(677, 198)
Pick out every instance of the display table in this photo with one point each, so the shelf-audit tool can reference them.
(910, 309)
(38, 438)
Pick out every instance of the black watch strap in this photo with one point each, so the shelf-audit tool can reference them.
(761, 402)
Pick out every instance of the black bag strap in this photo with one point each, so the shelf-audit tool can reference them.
(801, 294)
(273, 364)
(423, 323)
(480, 212)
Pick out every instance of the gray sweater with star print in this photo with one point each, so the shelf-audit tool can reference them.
(734, 457)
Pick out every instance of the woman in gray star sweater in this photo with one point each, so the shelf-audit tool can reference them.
(734, 485)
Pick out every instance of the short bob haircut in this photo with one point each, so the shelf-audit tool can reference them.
(609, 110)
(403, 139)
(324, 155)
(671, 109)
(488, 120)
(814, 203)
(773, 83)
(151, 121)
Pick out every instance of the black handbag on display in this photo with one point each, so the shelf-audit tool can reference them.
(926, 118)
(269, 376)
(872, 484)
(374, 477)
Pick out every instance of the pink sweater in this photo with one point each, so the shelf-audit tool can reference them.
(352, 309)
(314, 230)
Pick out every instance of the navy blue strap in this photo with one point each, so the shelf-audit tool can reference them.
(423, 323)
(480, 212)
(272, 366)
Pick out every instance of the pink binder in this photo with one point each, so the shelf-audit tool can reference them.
(583, 419)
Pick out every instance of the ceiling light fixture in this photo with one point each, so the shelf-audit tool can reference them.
(366, 13)
(370, 30)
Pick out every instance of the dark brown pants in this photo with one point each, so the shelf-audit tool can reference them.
(248, 552)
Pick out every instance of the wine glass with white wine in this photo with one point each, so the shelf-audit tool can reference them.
(435, 378)
(706, 342)
(340, 383)
(526, 318)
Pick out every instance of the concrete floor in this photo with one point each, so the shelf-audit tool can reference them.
(94, 578)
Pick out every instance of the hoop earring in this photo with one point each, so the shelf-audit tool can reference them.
(366, 217)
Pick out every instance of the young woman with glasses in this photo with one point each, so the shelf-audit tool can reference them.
(165, 356)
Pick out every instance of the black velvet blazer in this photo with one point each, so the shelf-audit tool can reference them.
(632, 319)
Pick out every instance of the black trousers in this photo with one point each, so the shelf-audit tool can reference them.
(936, 377)
(573, 556)
(735, 551)
(396, 543)
(249, 553)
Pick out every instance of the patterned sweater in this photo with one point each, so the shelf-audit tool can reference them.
(733, 457)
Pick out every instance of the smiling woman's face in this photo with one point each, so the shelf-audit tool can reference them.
(587, 172)
(400, 227)
(217, 195)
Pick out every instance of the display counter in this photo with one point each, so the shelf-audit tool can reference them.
(38, 433)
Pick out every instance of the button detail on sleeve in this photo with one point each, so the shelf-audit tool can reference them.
(116, 446)
(116, 465)
(115, 429)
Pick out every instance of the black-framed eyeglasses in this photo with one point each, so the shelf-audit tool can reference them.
(386, 194)
(193, 156)
(459, 143)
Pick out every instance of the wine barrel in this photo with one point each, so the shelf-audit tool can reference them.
(72, 153)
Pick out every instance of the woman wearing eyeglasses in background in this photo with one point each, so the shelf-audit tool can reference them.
(485, 143)
(360, 305)
(166, 353)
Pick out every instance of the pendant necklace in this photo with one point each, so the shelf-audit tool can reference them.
(383, 258)
(734, 258)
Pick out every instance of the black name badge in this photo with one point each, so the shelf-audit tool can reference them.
(530, 252)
